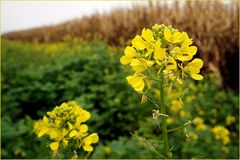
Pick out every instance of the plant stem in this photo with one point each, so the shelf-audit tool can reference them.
(163, 111)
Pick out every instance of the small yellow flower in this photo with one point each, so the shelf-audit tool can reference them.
(171, 64)
(172, 38)
(159, 53)
(93, 138)
(201, 127)
(230, 120)
(54, 146)
(176, 106)
(130, 53)
(185, 53)
(138, 43)
(141, 64)
(193, 136)
(64, 123)
(197, 121)
(193, 69)
(221, 133)
(136, 82)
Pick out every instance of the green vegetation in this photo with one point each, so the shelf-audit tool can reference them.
(37, 77)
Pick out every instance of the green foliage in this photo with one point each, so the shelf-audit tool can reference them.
(37, 77)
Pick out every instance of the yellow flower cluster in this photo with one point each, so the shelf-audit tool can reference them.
(64, 124)
(221, 133)
(230, 119)
(161, 48)
(199, 123)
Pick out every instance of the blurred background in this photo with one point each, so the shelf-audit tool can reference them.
(53, 52)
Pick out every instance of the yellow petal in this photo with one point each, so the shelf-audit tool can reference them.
(83, 128)
(94, 137)
(159, 53)
(86, 116)
(187, 42)
(57, 122)
(192, 50)
(87, 148)
(53, 134)
(45, 119)
(136, 82)
(184, 36)
(172, 64)
(70, 125)
(185, 57)
(138, 43)
(125, 60)
(137, 65)
(73, 133)
(167, 34)
(40, 134)
(148, 63)
(176, 37)
(130, 52)
(149, 52)
(65, 142)
(147, 34)
(197, 76)
(197, 62)
(54, 146)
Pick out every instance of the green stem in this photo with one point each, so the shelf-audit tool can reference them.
(181, 127)
(163, 111)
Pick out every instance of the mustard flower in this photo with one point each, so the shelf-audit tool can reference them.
(222, 134)
(161, 48)
(64, 125)
(230, 119)
(197, 121)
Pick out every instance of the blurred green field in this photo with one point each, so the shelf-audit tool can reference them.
(37, 77)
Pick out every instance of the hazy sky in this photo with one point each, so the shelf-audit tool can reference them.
(17, 15)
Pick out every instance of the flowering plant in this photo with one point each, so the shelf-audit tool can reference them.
(161, 57)
(65, 127)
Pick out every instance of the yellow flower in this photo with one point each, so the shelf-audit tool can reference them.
(201, 127)
(159, 53)
(172, 38)
(136, 82)
(176, 106)
(193, 68)
(226, 140)
(140, 65)
(230, 120)
(54, 146)
(221, 133)
(147, 35)
(63, 124)
(198, 121)
(161, 49)
(185, 40)
(41, 127)
(86, 143)
(171, 64)
(138, 43)
(130, 53)
(185, 53)
(193, 136)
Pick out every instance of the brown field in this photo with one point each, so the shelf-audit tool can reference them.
(214, 27)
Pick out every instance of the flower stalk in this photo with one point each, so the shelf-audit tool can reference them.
(163, 111)
(161, 55)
